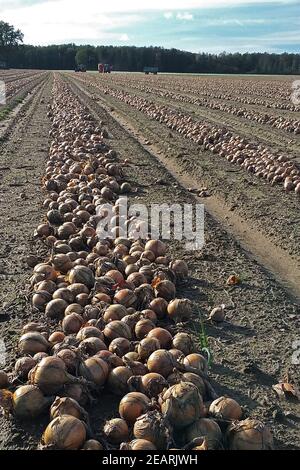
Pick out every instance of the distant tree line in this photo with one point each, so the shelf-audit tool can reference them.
(131, 58)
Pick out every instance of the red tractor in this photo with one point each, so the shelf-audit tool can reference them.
(104, 68)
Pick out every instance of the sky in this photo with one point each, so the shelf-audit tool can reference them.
(226, 25)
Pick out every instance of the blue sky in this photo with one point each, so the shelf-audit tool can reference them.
(226, 25)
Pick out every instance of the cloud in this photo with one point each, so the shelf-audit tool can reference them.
(124, 37)
(235, 22)
(185, 16)
(119, 6)
(168, 15)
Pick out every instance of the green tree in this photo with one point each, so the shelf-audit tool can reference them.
(9, 38)
(86, 56)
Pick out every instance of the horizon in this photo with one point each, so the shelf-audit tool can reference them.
(226, 26)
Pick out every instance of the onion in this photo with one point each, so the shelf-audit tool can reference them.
(114, 312)
(61, 262)
(136, 367)
(133, 405)
(70, 359)
(39, 356)
(180, 268)
(74, 308)
(4, 378)
(120, 346)
(22, 368)
(225, 408)
(92, 444)
(65, 433)
(50, 375)
(116, 276)
(250, 434)
(72, 323)
(165, 289)
(132, 356)
(196, 361)
(146, 347)
(180, 310)
(29, 402)
(153, 384)
(117, 380)
(196, 380)
(138, 444)
(116, 431)
(40, 299)
(207, 428)
(117, 329)
(67, 406)
(55, 309)
(95, 370)
(111, 359)
(76, 289)
(48, 286)
(217, 314)
(33, 326)
(89, 332)
(125, 297)
(56, 337)
(183, 342)
(77, 392)
(159, 306)
(65, 294)
(82, 275)
(161, 362)
(142, 328)
(32, 343)
(182, 405)
(157, 247)
(149, 315)
(152, 427)
(44, 272)
(177, 355)
(164, 337)
(137, 279)
(91, 346)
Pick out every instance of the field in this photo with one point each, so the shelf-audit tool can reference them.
(230, 143)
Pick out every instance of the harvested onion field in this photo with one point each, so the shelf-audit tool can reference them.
(93, 319)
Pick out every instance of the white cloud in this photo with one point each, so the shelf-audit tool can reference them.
(168, 15)
(119, 6)
(124, 37)
(185, 16)
(235, 21)
(67, 21)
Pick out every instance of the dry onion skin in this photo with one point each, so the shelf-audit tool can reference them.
(182, 404)
(152, 427)
(29, 402)
(250, 434)
(133, 405)
(226, 408)
(207, 428)
(92, 444)
(65, 433)
(116, 431)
